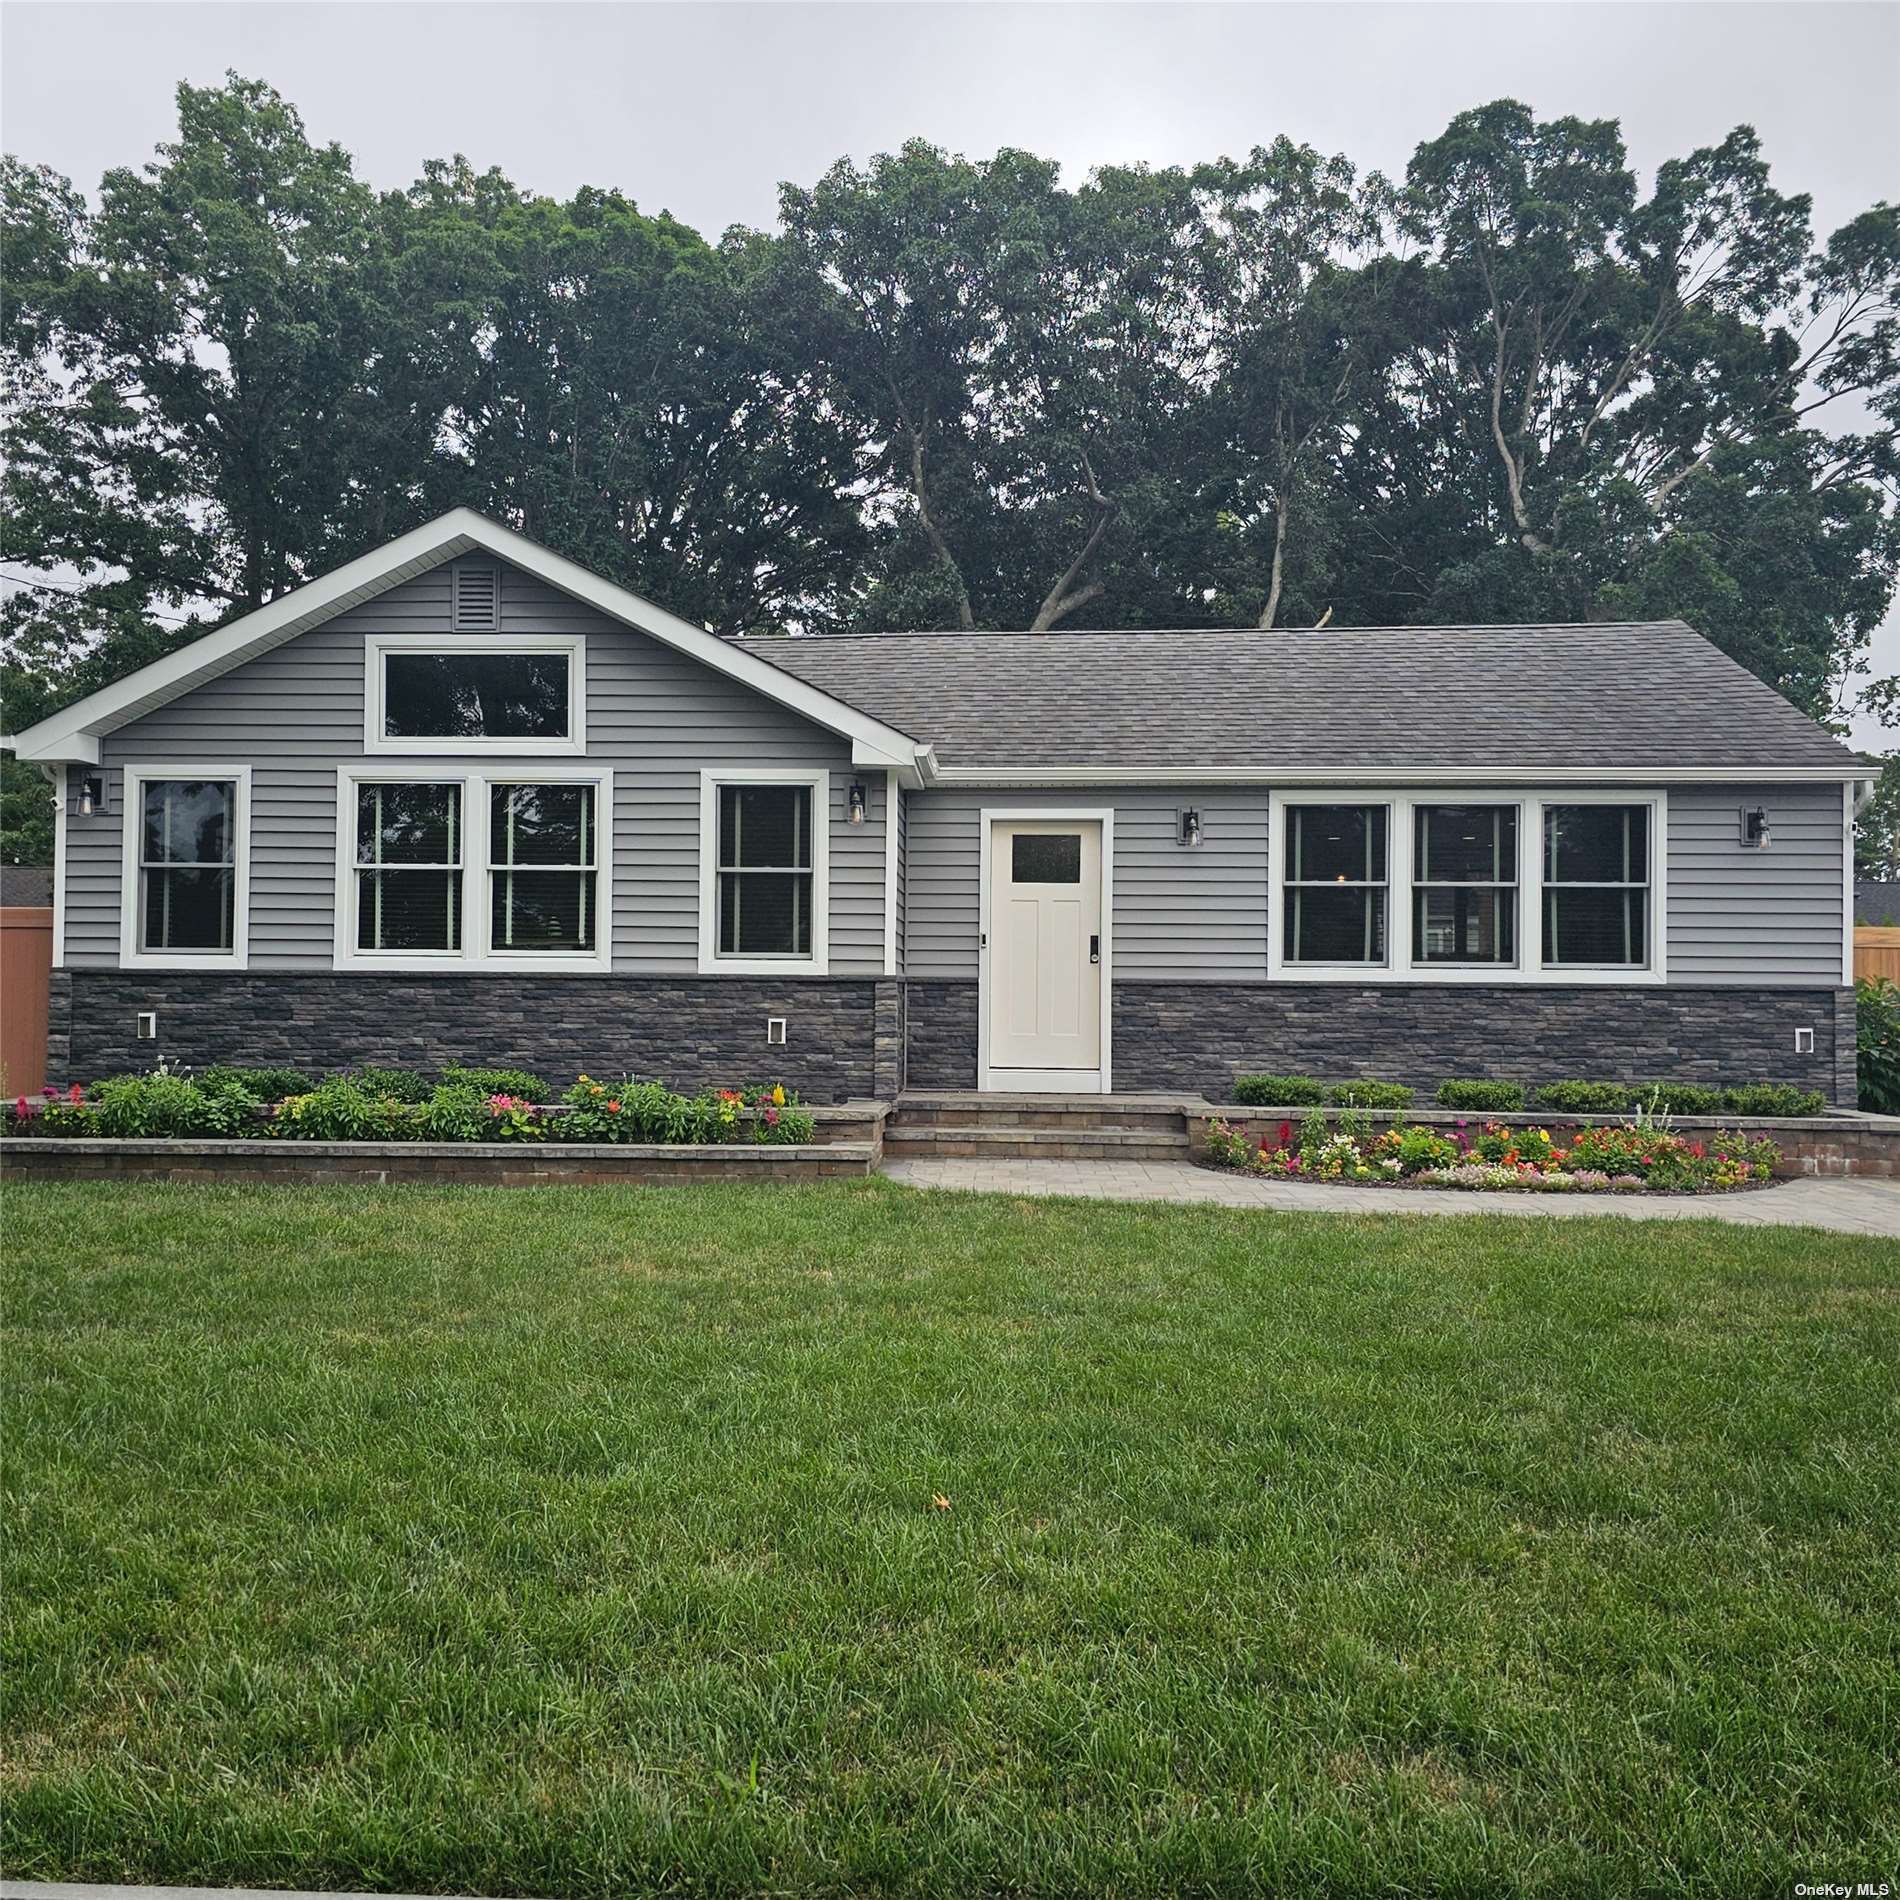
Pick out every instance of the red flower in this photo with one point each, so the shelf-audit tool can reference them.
(771, 1118)
(75, 1094)
(1286, 1135)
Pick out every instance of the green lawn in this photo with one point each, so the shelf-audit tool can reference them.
(582, 1542)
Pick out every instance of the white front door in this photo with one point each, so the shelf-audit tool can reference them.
(1045, 954)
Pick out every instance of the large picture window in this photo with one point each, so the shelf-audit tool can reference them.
(409, 867)
(541, 854)
(1335, 884)
(1596, 886)
(188, 866)
(426, 694)
(1464, 884)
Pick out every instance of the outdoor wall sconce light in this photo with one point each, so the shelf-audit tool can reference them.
(92, 794)
(1190, 823)
(1755, 830)
(855, 802)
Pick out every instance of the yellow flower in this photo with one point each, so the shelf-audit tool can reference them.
(778, 1094)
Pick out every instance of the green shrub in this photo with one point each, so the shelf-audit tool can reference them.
(341, 1109)
(453, 1114)
(1677, 1098)
(1772, 1098)
(1585, 1098)
(1278, 1091)
(145, 1107)
(395, 1085)
(516, 1082)
(261, 1084)
(1877, 1044)
(1363, 1092)
(1486, 1097)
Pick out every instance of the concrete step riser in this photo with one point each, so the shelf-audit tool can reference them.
(966, 1145)
(1157, 1121)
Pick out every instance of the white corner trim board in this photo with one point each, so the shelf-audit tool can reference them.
(1849, 803)
(477, 950)
(139, 774)
(891, 848)
(1528, 968)
(711, 963)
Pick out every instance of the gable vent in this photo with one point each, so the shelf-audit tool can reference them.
(476, 598)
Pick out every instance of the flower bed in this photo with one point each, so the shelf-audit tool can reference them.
(1627, 1158)
(170, 1105)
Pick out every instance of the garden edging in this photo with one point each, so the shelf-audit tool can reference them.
(439, 1163)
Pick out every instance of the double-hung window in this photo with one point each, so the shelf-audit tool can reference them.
(542, 842)
(764, 858)
(409, 841)
(454, 868)
(1464, 884)
(186, 864)
(1532, 885)
(1596, 886)
(1335, 884)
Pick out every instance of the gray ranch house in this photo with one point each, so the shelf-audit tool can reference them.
(464, 800)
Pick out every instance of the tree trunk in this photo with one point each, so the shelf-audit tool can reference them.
(966, 621)
(1064, 597)
(1270, 611)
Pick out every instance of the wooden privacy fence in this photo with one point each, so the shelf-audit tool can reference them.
(1877, 951)
(26, 961)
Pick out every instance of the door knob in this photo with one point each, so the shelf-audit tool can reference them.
(1095, 949)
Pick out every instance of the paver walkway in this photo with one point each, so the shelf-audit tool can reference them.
(1847, 1204)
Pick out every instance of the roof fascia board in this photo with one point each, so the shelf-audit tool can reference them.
(457, 532)
(1716, 773)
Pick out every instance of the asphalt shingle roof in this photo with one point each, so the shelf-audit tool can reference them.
(1632, 696)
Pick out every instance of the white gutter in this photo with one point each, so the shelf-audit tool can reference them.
(1722, 773)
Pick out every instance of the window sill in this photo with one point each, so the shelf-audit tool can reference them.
(1497, 975)
(419, 963)
(224, 960)
(763, 966)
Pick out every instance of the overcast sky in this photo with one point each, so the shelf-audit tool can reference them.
(702, 109)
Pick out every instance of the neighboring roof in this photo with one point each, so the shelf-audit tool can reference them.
(1564, 702)
(1876, 903)
(26, 886)
(73, 733)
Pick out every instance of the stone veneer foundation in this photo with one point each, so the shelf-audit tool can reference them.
(851, 1038)
(842, 1035)
(1194, 1038)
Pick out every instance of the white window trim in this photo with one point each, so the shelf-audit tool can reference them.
(1529, 969)
(478, 952)
(132, 824)
(377, 646)
(819, 961)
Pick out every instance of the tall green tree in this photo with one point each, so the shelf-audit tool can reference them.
(615, 387)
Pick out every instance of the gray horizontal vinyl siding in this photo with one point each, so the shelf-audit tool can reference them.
(1735, 915)
(655, 718)
(1179, 913)
(1747, 916)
